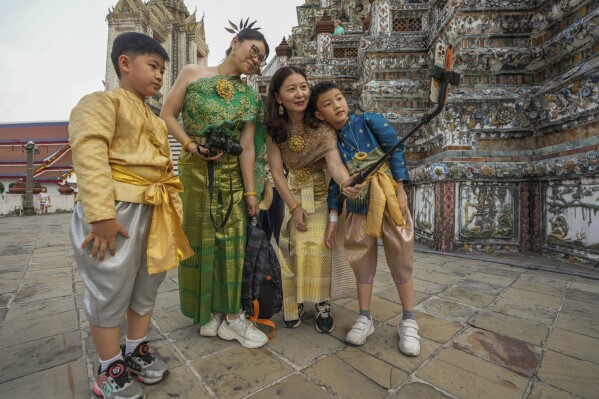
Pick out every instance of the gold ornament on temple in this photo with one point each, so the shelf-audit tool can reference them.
(224, 87)
(296, 143)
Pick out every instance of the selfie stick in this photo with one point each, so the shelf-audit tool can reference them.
(444, 79)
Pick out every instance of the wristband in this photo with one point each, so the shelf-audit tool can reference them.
(250, 194)
(294, 207)
(333, 217)
(186, 144)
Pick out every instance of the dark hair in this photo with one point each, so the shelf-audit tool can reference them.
(134, 44)
(319, 89)
(276, 125)
(251, 34)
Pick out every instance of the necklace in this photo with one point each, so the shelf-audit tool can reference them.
(359, 155)
(224, 87)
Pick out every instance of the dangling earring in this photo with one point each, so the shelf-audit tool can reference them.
(281, 109)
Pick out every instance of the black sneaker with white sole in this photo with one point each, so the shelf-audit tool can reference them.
(324, 320)
(297, 322)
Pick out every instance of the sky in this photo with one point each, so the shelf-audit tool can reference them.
(53, 52)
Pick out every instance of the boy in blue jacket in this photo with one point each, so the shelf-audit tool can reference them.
(381, 211)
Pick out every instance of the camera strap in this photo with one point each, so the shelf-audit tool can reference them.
(211, 191)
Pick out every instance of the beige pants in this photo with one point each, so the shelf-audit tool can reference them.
(362, 249)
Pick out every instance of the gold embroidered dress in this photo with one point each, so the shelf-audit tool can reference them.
(305, 259)
(210, 281)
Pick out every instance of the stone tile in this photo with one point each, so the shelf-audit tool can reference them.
(580, 308)
(194, 346)
(456, 269)
(33, 309)
(295, 386)
(4, 299)
(467, 295)
(238, 372)
(513, 354)
(167, 299)
(168, 285)
(543, 391)
(380, 309)
(440, 278)
(171, 319)
(502, 271)
(390, 294)
(481, 286)
(511, 326)
(579, 324)
(574, 345)
(342, 380)
(540, 284)
(548, 301)
(181, 383)
(528, 311)
(494, 279)
(418, 390)
(37, 292)
(572, 375)
(65, 381)
(428, 287)
(432, 327)
(32, 329)
(378, 371)
(33, 356)
(47, 278)
(581, 295)
(303, 345)
(10, 282)
(382, 279)
(383, 344)
(448, 309)
(469, 377)
(3, 312)
(587, 285)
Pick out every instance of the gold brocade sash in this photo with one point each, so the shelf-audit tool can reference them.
(382, 194)
(167, 243)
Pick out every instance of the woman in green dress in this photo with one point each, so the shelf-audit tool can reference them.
(220, 113)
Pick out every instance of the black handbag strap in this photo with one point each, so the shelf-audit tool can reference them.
(211, 191)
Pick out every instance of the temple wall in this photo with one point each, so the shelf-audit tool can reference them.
(511, 164)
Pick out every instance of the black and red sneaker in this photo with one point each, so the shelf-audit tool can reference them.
(148, 368)
(116, 383)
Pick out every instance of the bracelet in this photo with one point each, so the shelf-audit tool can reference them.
(186, 144)
(294, 207)
(333, 217)
(250, 194)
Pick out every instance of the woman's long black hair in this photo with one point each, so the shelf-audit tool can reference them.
(277, 125)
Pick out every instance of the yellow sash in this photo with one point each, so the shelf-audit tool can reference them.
(167, 243)
(382, 194)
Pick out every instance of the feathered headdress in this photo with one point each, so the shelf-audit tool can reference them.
(242, 26)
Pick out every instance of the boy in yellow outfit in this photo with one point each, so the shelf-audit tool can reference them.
(127, 205)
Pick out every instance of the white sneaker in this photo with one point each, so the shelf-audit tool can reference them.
(362, 328)
(409, 340)
(243, 331)
(210, 329)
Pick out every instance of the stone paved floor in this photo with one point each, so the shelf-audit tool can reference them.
(489, 330)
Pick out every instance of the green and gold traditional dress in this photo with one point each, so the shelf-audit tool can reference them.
(305, 259)
(210, 281)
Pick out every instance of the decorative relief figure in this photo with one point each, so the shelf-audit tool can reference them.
(424, 210)
(571, 219)
(487, 211)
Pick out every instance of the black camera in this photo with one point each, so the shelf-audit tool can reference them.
(217, 140)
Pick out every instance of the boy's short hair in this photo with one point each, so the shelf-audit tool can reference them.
(134, 44)
(317, 91)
